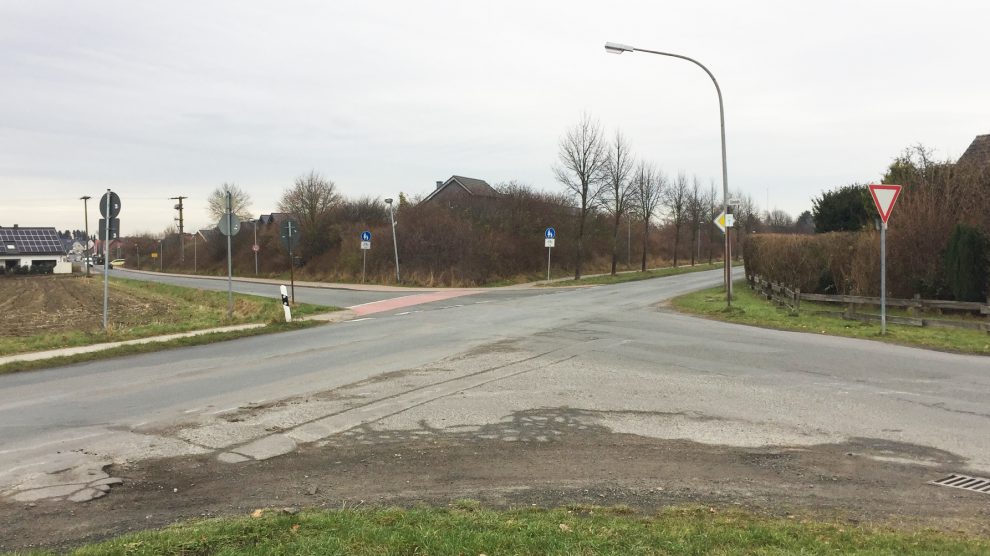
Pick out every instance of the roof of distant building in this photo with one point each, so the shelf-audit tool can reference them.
(473, 187)
(978, 153)
(30, 241)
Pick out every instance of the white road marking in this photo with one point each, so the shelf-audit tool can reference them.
(359, 320)
(401, 314)
(74, 438)
(382, 301)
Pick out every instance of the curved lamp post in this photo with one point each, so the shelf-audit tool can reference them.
(616, 48)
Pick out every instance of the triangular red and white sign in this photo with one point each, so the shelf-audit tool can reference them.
(884, 197)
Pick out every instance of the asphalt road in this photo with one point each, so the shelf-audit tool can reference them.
(466, 363)
(335, 297)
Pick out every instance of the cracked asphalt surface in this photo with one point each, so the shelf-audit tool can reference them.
(592, 395)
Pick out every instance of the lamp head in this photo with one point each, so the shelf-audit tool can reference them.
(616, 48)
(388, 201)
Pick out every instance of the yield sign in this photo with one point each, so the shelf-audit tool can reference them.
(724, 221)
(884, 197)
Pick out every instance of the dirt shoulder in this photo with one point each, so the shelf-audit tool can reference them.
(555, 461)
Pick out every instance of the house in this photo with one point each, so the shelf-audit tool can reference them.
(33, 247)
(273, 218)
(459, 188)
(207, 234)
(977, 156)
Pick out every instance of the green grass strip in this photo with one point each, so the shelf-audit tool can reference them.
(751, 309)
(634, 276)
(467, 529)
(135, 349)
(190, 309)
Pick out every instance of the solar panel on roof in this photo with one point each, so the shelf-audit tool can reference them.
(27, 241)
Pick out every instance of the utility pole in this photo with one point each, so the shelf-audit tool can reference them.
(182, 246)
(86, 255)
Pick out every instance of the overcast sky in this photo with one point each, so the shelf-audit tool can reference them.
(173, 98)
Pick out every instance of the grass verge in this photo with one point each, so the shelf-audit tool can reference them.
(633, 276)
(465, 528)
(749, 308)
(140, 309)
(135, 349)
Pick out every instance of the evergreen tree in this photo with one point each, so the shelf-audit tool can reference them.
(966, 264)
(846, 209)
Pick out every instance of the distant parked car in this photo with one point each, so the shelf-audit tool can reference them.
(116, 262)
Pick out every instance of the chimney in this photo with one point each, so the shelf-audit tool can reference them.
(15, 225)
(439, 184)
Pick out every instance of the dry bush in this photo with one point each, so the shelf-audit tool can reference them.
(823, 263)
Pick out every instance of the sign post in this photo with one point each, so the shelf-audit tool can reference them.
(549, 238)
(884, 197)
(725, 221)
(289, 232)
(110, 209)
(365, 246)
(229, 225)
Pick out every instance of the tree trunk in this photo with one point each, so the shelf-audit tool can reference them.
(710, 231)
(646, 232)
(677, 241)
(615, 243)
(577, 258)
(694, 237)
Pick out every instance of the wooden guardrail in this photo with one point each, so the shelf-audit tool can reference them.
(791, 299)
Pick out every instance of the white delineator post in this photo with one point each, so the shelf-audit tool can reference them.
(884, 197)
(285, 303)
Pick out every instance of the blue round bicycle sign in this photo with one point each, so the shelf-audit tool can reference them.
(550, 233)
(365, 236)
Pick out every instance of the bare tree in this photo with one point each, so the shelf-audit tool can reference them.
(747, 221)
(616, 194)
(779, 221)
(713, 209)
(312, 200)
(364, 210)
(216, 203)
(695, 212)
(582, 157)
(648, 185)
(676, 200)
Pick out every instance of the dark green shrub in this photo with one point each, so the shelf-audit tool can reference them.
(966, 264)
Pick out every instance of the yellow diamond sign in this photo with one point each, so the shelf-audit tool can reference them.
(724, 221)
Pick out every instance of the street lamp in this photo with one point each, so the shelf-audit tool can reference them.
(616, 48)
(394, 242)
(85, 198)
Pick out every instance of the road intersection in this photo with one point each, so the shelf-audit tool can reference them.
(609, 358)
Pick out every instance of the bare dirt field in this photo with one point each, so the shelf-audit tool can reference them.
(58, 304)
(576, 465)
